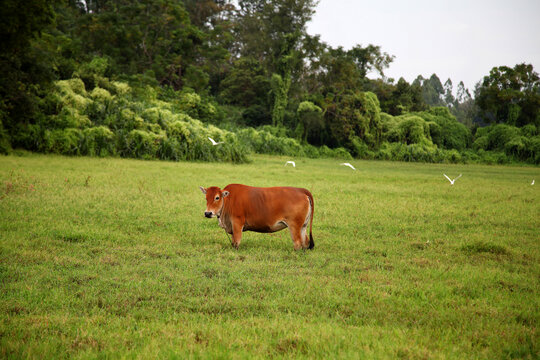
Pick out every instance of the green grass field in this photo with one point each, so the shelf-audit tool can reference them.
(113, 258)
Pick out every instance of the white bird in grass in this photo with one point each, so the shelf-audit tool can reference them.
(290, 162)
(532, 182)
(215, 143)
(349, 165)
(452, 181)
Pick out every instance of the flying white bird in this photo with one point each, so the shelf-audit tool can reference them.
(532, 182)
(452, 181)
(349, 165)
(215, 143)
(290, 162)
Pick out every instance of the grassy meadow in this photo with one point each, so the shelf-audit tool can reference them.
(113, 258)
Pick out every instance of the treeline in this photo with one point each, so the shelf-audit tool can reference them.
(156, 78)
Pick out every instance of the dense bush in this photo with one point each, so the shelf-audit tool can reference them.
(518, 144)
(310, 120)
(98, 141)
(355, 115)
(111, 119)
(94, 116)
(62, 141)
(273, 140)
(448, 132)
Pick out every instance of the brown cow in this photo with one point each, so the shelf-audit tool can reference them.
(265, 210)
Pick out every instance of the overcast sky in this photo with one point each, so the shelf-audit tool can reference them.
(458, 39)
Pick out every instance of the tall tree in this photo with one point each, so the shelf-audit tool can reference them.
(448, 93)
(370, 58)
(20, 24)
(400, 98)
(272, 32)
(510, 95)
(25, 62)
(215, 18)
(246, 84)
(154, 36)
(462, 94)
(464, 108)
(355, 116)
(338, 70)
(432, 90)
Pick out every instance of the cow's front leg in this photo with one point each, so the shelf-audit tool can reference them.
(237, 225)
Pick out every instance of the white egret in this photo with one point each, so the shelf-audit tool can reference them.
(215, 143)
(452, 181)
(349, 165)
(532, 182)
(290, 162)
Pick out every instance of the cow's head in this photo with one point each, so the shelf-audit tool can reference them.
(214, 200)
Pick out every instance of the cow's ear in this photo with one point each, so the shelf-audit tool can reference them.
(202, 189)
(225, 193)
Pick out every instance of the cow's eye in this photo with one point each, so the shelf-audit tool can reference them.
(217, 198)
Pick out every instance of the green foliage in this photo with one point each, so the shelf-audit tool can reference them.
(435, 132)
(519, 144)
(307, 107)
(280, 89)
(481, 143)
(432, 90)
(116, 121)
(273, 140)
(335, 71)
(398, 99)
(420, 152)
(93, 73)
(246, 84)
(264, 142)
(529, 130)
(273, 32)
(141, 144)
(19, 24)
(5, 145)
(98, 141)
(355, 115)
(26, 64)
(155, 37)
(256, 115)
(112, 121)
(337, 153)
(501, 134)
(62, 141)
(510, 95)
(310, 120)
(413, 130)
(407, 129)
(156, 74)
(451, 134)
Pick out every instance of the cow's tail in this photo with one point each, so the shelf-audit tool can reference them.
(311, 242)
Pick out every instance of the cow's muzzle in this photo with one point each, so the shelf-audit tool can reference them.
(208, 214)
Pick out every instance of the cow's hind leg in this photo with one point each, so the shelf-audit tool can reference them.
(303, 230)
(304, 235)
(296, 235)
(298, 228)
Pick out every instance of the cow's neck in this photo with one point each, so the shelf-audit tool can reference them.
(225, 223)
